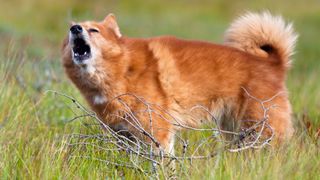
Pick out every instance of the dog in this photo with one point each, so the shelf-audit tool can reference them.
(117, 74)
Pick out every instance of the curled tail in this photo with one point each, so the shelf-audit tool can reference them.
(263, 35)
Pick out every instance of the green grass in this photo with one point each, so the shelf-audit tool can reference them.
(33, 121)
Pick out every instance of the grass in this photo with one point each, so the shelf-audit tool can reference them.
(33, 121)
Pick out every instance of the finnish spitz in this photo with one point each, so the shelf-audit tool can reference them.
(175, 75)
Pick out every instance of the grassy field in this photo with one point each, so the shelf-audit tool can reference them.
(34, 125)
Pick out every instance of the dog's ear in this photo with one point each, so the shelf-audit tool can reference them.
(110, 22)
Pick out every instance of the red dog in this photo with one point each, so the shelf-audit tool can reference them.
(177, 74)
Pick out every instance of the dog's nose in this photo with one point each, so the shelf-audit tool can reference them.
(76, 29)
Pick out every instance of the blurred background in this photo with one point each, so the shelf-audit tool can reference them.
(48, 20)
(31, 32)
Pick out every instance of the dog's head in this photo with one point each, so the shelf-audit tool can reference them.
(89, 42)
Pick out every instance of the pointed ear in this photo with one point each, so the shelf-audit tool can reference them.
(110, 22)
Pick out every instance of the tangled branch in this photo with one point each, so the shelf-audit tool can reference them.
(144, 157)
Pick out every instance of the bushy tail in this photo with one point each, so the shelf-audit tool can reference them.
(263, 35)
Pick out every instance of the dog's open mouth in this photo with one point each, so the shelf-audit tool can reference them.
(81, 50)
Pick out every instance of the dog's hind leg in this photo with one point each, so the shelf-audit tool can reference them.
(275, 112)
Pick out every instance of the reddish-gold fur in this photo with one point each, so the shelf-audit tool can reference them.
(177, 75)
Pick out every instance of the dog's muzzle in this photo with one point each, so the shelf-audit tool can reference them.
(81, 50)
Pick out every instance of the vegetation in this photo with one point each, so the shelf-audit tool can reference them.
(34, 124)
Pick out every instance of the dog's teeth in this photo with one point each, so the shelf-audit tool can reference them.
(85, 53)
(76, 54)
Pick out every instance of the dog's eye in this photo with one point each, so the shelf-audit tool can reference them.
(93, 30)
